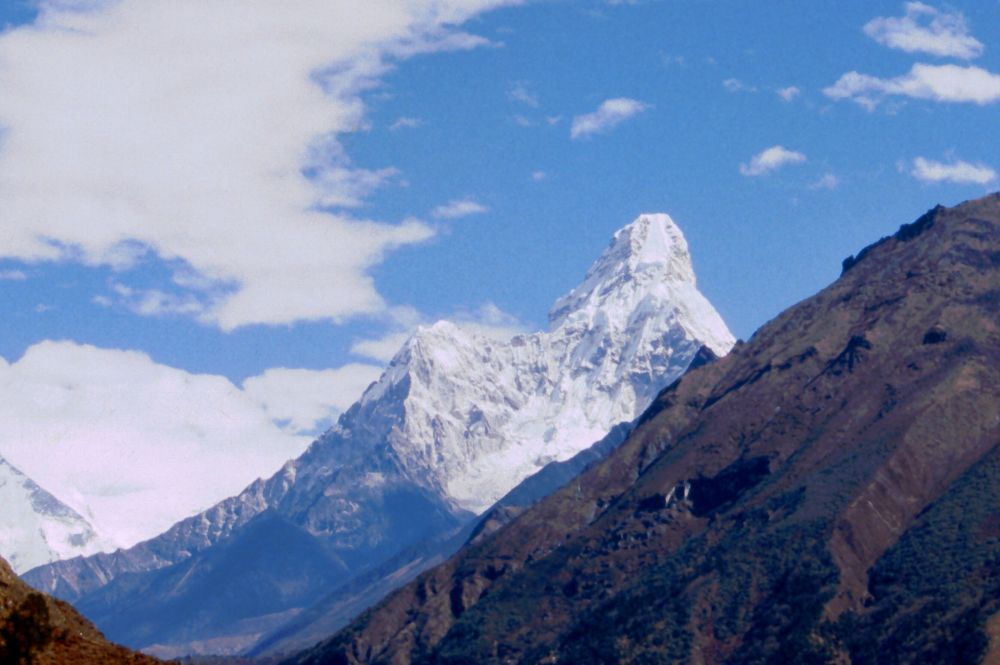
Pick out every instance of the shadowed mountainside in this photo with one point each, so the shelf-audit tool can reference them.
(37, 629)
(829, 492)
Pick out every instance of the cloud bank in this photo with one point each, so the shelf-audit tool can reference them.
(114, 434)
(205, 133)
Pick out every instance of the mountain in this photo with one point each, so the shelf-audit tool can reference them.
(829, 492)
(36, 528)
(344, 603)
(35, 628)
(454, 423)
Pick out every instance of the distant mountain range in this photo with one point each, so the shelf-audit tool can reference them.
(456, 422)
(36, 528)
(829, 492)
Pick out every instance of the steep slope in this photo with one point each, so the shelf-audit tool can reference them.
(36, 528)
(339, 607)
(37, 629)
(454, 423)
(826, 493)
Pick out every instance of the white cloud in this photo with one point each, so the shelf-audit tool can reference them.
(207, 132)
(307, 398)
(608, 115)
(405, 122)
(518, 92)
(538, 176)
(941, 83)
(13, 276)
(736, 85)
(826, 181)
(959, 172)
(924, 29)
(770, 160)
(114, 434)
(382, 348)
(490, 321)
(788, 94)
(459, 208)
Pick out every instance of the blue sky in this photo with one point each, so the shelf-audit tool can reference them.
(167, 181)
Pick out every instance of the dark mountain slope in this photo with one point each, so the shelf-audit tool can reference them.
(337, 609)
(825, 493)
(37, 629)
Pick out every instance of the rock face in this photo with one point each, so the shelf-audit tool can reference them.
(36, 528)
(826, 493)
(34, 628)
(456, 421)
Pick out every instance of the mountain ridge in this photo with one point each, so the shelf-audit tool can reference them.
(771, 506)
(454, 423)
(36, 527)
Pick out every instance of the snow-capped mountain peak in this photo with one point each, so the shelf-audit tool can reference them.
(37, 528)
(456, 421)
(480, 415)
(652, 243)
(645, 272)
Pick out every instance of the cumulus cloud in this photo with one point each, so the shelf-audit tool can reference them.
(788, 94)
(114, 434)
(206, 133)
(609, 114)
(941, 83)
(459, 208)
(924, 29)
(959, 172)
(771, 159)
(303, 398)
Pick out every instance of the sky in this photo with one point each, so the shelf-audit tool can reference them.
(219, 219)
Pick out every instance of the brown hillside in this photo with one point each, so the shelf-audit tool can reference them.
(37, 629)
(827, 493)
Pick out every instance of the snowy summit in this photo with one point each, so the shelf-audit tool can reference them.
(481, 415)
